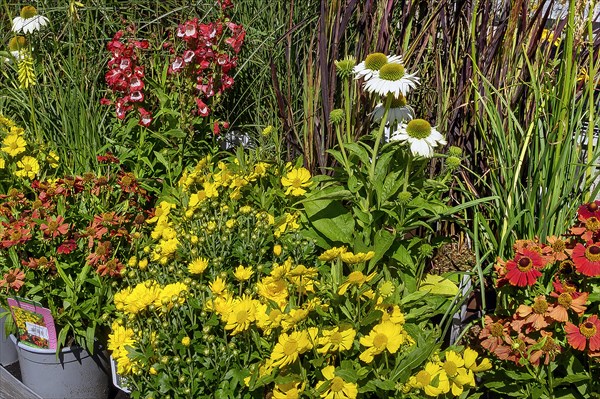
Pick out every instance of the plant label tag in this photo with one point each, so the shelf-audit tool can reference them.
(117, 380)
(35, 324)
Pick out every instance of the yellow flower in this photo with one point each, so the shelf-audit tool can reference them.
(198, 266)
(355, 278)
(289, 347)
(548, 36)
(293, 318)
(267, 130)
(335, 340)
(142, 264)
(458, 375)
(338, 388)
(350, 258)
(290, 390)
(185, 341)
(142, 296)
(268, 320)
(274, 289)
(470, 356)
(169, 295)
(243, 273)
(296, 181)
(391, 313)
(52, 159)
(2, 163)
(332, 253)
(242, 314)
(210, 190)
(152, 371)
(277, 250)
(132, 261)
(13, 144)
(386, 335)
(124, 365)
(289, 223)
(433, 380)
(19, 131)
(218, 287)
(119, 339)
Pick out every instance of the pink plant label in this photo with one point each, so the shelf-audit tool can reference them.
(35, 324)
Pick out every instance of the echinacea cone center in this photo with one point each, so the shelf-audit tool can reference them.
(398, 102)
(28, 12)
(337, 384)
(418, 128)
(540, 306)
(525, 264)
(290, 347)
(565, 300)
(497, 330)
(375, 61)
(17, 43)
(593, 253)
(450, 368)
(592, 207)
(380, 341)
(423, 378)
(588, 329)
(391, 72)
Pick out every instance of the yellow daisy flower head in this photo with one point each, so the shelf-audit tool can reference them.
(391, 313)
(243, 273)
(296, 181)
(470, 356)
(218, 287)
(29, 167)
(242, 315)
(351, 258)
(198, 266)
(119, 339)
(336, 339)
(19, 131)
(332, 253)
(356, 278)
(337, 387)
(185, 341)
(52, 158)
(432, 380)
(266, 319)
(13, 144)
(289, 348)
(2, 163)
(277, 250)
(290, 390)
(385, 336)
(274, 289)
(170, 295)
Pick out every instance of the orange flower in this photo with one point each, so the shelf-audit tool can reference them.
(567, 299)
(559, 247)
(588, 331)
(537, 315)
(549, 348)
(13, 280)
(494, 334)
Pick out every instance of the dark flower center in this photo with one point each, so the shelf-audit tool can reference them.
(525, 264)
(565, 300)
(592, 224)
(559, 246)
(11, 278)
(588, 329)
(497, 330)
(592, 253)
(567, 267)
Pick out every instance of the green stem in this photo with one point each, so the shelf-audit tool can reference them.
(388, 103)
(347, 105)
(407, 172)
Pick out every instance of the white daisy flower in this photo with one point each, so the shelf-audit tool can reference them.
(391, 79)
(421, 137)
(371, 66)
(17, 47)
(29, 21)
(399, 111)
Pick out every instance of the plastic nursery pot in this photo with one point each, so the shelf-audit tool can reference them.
(8, 351)
(73, 374)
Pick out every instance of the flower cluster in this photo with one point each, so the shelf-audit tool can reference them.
(125, 77)
(549, 314)
(20, 158)
(77, 232)
(249, 297)
(387, 77)
(453, 374)
(205, 60)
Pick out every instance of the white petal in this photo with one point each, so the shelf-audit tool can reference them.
(420, 147)
(17, 24)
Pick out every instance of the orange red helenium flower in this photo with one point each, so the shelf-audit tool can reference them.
(523, 270)
(587, 259)
(586, 334)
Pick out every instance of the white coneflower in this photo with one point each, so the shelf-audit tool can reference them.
(372, 64)
(399, 111)
(391, 79)
(17, 46)
(29, 20)
(421, 137)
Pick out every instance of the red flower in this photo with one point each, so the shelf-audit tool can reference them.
(13, 280)
(203, 109)
(66, 247)
(587, 211)
(113, 268)
(588, 331)
(54, 227)
(523, 270)
(587, 259)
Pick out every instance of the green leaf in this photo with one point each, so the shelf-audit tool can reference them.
(438, 285)
(403, 256)
(177, 133)
(331, 219)
(359, 150)
(383, 241)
